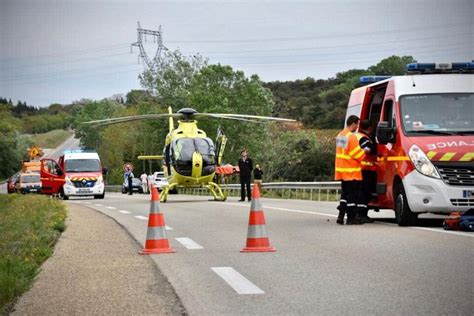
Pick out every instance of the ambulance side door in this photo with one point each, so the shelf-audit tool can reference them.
(52, 176)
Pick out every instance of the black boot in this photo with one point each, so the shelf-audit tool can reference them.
(353, 221)
(340, 217)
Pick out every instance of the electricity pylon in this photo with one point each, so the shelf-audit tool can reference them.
(157, 38)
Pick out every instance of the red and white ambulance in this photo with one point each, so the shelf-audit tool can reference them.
(425, 138)
(76, 173)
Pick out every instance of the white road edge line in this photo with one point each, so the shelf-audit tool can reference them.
(237, 281)
(189, 243)
(465, 234)
(435, 230)
(124, 212)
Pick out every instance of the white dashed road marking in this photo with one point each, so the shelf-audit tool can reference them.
(98, 204)
(237, 281)
(189, 243)
(168, 227)
(142, 217)
(111, 208)
(124, 212)
(435, 230)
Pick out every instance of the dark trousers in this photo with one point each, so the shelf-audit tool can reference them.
(349, 198)
(130, 187)
(369, 182)
(245, 184)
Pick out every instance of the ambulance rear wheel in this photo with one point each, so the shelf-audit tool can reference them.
(63, 195)
(403, 215)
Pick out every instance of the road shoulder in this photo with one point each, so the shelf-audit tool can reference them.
(96, 269)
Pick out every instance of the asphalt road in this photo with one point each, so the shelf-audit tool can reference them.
(318, 268)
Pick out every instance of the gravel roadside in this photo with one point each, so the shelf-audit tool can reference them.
(96, 270)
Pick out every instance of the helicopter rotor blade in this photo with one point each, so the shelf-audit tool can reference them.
(228, 118)
(117, 120)
(252, 118)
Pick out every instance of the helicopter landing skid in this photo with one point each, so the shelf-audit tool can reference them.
(165, 192)
(219, 195)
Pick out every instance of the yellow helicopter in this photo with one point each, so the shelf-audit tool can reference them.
(190, 157)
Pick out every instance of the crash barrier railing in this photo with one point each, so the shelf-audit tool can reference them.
(316, 191)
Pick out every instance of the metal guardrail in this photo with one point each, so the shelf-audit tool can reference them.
(316, 191)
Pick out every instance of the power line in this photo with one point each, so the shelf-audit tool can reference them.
(358, 34)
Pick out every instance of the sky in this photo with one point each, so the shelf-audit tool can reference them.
(60, 51)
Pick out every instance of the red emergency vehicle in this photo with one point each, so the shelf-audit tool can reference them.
(425, 138)
(76, 173)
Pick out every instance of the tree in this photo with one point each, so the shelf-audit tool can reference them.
(170, 79)
(393, 66)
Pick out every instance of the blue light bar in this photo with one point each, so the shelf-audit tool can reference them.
(77, 151)
(371, 79)
(441, 67)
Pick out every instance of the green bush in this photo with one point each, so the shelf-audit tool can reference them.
(29, 226)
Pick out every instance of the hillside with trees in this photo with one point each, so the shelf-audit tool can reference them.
(18, 122)
(293, 152)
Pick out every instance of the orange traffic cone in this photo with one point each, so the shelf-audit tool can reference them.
(156, 241)
(257, 238)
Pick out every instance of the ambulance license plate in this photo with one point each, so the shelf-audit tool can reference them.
(467, 193)
(84, 191)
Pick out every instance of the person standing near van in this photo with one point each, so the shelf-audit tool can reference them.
(257, 176)
(144, 179)
(348, 169)
(369, 174)
(245, 173)
(128, 177)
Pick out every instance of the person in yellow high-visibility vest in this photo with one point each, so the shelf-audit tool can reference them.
(348, 169)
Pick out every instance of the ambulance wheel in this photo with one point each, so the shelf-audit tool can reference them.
(63, 196)
(99, 196)
(403, 215)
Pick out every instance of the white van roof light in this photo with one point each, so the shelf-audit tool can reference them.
(441, 67)
(364, 80)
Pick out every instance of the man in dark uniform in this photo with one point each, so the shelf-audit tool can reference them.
(245, 173)
(369, 174)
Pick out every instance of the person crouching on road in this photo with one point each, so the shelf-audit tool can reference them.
(369, 174)
(245, 173)
(348, 170)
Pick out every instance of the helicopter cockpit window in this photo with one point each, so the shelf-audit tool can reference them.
(206, 147)
(183, 149)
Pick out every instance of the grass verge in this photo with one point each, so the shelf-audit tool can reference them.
(52, 139)
(30, 225)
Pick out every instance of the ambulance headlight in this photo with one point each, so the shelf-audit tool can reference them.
(68, 181)
(100, 180)
(422, 163)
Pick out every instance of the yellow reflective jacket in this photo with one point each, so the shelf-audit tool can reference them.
(349, 156)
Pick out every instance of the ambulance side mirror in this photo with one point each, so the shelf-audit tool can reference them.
(385, 134)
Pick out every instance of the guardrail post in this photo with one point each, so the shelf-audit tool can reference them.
(327, 195)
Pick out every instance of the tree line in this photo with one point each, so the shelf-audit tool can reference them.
(293, 152)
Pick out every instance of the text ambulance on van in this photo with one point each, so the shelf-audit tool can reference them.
(425, 137)
(77, 173)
